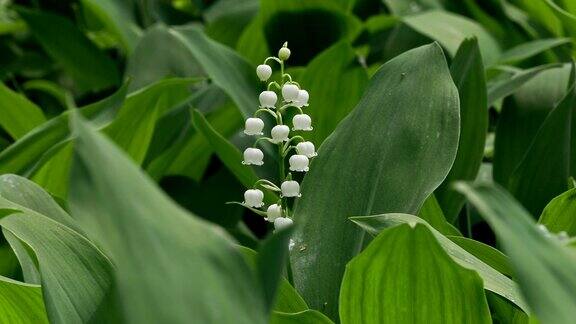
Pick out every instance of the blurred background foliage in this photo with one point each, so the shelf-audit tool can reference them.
(137, 67)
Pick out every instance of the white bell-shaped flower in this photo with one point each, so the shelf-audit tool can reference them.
(268, 99)
(302, 122)
(290, 92)
(280, 133)
(264, 71)
(282, 222)
(290, 188)
(306, 148)
(274, 211)
(253, 156)
(284, 52)
(253, 126)
(253, 198)
(302, 99)
(299, 163)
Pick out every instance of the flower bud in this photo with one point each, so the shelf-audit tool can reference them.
(268, 99)
(253, 126)
(253, 198)
(280, 133)
(253, 156)
(282, 222)
(302, 99)
(274, 211)
(306, 148)
(299, 163)
(302, 122)
(290, 188)
(290, 92)
(284, 52)
(264, 72)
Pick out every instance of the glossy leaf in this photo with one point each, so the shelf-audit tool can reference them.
(123, 210)
(21, 303)
(468, 74)
(90, 67)
(559, 214)
(19, 115)
(544, 269)
(493, 280)
(529, 49)
(404, 276)
(451, 30)
(365, 166)
(329, 75)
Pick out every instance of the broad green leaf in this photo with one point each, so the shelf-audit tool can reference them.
(124, 211)
(539, 11)
(21, 156)
(404, 276)
(468, 74)
(548, 163)
(19, 115)
(224, 67)
(506, 86)
(115, 15)
(522, 115)
(451, 30)
(62, 40)
(329, 75)
(493, 280)
(543, 267)
(568, 19)
(304, 317)
(388, 155)
(74, 274)
(432, 213)
(529, 49)
(227, 19)
(159, 54)
(485, 253)
(559, 214)
(21, 303)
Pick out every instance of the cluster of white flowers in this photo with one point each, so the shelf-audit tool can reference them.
(292, 98)
(560, 236)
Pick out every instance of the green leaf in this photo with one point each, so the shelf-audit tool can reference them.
(543, 267)
(21, 303)
(451, 30)
(404, 276)
(124, 211)
(568, 19)
(485, 253)
(506, 86)
(389, 154)
(329, 75)
(432, 213)
(522, 115)
(529, 49)
(225, 68)
(493, 280)
(61, 39)
(559, 213)
(468, 74)
(117, 18)
(304, 317)
(74, 273)
(544, 171)
(19, 115)
(405, 8)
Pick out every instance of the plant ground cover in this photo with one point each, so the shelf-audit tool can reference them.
(287, 161)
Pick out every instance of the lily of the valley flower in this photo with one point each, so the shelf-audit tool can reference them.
(253, 198)
(264, 71)
(268, 99)
(274, 211)
(280, 133)
(290, 92)
(290, 188)
(254, 126)
(302, 99)
(299, 163)
(306, 148)
(302, 122)
(282, 222)
(253, 156)
(284, 52)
